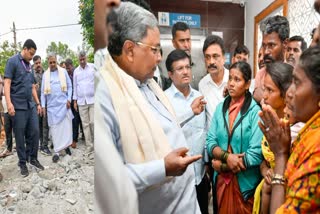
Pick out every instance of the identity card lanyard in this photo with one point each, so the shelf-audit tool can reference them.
(27, 67)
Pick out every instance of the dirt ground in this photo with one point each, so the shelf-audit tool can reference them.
(65, 187)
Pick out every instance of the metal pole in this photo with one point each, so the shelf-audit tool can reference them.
(14, 37)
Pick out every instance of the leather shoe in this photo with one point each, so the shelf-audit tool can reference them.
(55, 158)
(68, 151)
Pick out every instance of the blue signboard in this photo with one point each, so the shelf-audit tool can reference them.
(169, 19)
(192, 20)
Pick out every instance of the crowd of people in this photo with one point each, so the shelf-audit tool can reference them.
(253, 142)
(39, 105)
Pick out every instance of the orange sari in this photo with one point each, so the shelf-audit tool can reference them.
(303, 171)
(229, 197)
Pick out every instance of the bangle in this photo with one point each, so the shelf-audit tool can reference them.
(277, 181)
(224, 156)
(38, 104)
(279, 177)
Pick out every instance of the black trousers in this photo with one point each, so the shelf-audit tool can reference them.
(26, 130)
(43, 130)
(76, 123)
(202, 194)
(8, 127)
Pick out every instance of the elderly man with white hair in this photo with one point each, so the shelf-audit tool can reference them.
(56, 91)
(140, 118)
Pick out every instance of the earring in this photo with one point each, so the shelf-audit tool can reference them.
(319, 104)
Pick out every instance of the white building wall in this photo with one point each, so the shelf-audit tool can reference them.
(252, 8)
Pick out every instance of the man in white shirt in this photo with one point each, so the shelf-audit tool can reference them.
(213, 84)
(83, 96)
(181, 39)
(181, 96)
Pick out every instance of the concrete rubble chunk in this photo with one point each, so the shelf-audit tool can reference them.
(51, 190)
(71, 201)
(26, 188)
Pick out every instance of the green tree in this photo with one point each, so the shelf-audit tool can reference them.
(6, 51)
(62, 51)
(86, 11)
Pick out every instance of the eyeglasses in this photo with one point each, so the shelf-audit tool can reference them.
(155, 49)
(180, 69)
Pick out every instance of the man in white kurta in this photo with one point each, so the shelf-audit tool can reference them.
(83, 97)
(56, 91)
(140, 118)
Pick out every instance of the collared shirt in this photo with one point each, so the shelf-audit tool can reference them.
(83, 84)
(57, 100)
(195, 129)
(213, 93)
(20, 73)
(176, 196)
(99, 58)
(157, 76)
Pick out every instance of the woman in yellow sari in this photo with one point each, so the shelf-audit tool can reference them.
(276, 83)
(296, 179)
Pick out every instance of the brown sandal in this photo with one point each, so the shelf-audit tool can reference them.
(5, 153)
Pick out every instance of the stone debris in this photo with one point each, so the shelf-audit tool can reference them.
(63, 187)
(71, 201)
(26, 188)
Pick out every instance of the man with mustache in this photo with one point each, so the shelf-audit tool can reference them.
(213, 84)
(275, 31)
(43, 122)
(182, 96)
(296, 45)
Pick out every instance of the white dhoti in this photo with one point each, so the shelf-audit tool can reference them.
(62, 133)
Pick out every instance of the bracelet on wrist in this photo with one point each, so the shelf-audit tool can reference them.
(224, 156)
(279, 182)
(278, 179)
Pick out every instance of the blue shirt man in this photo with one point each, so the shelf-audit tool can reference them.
(189, 106)
(19, 87)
